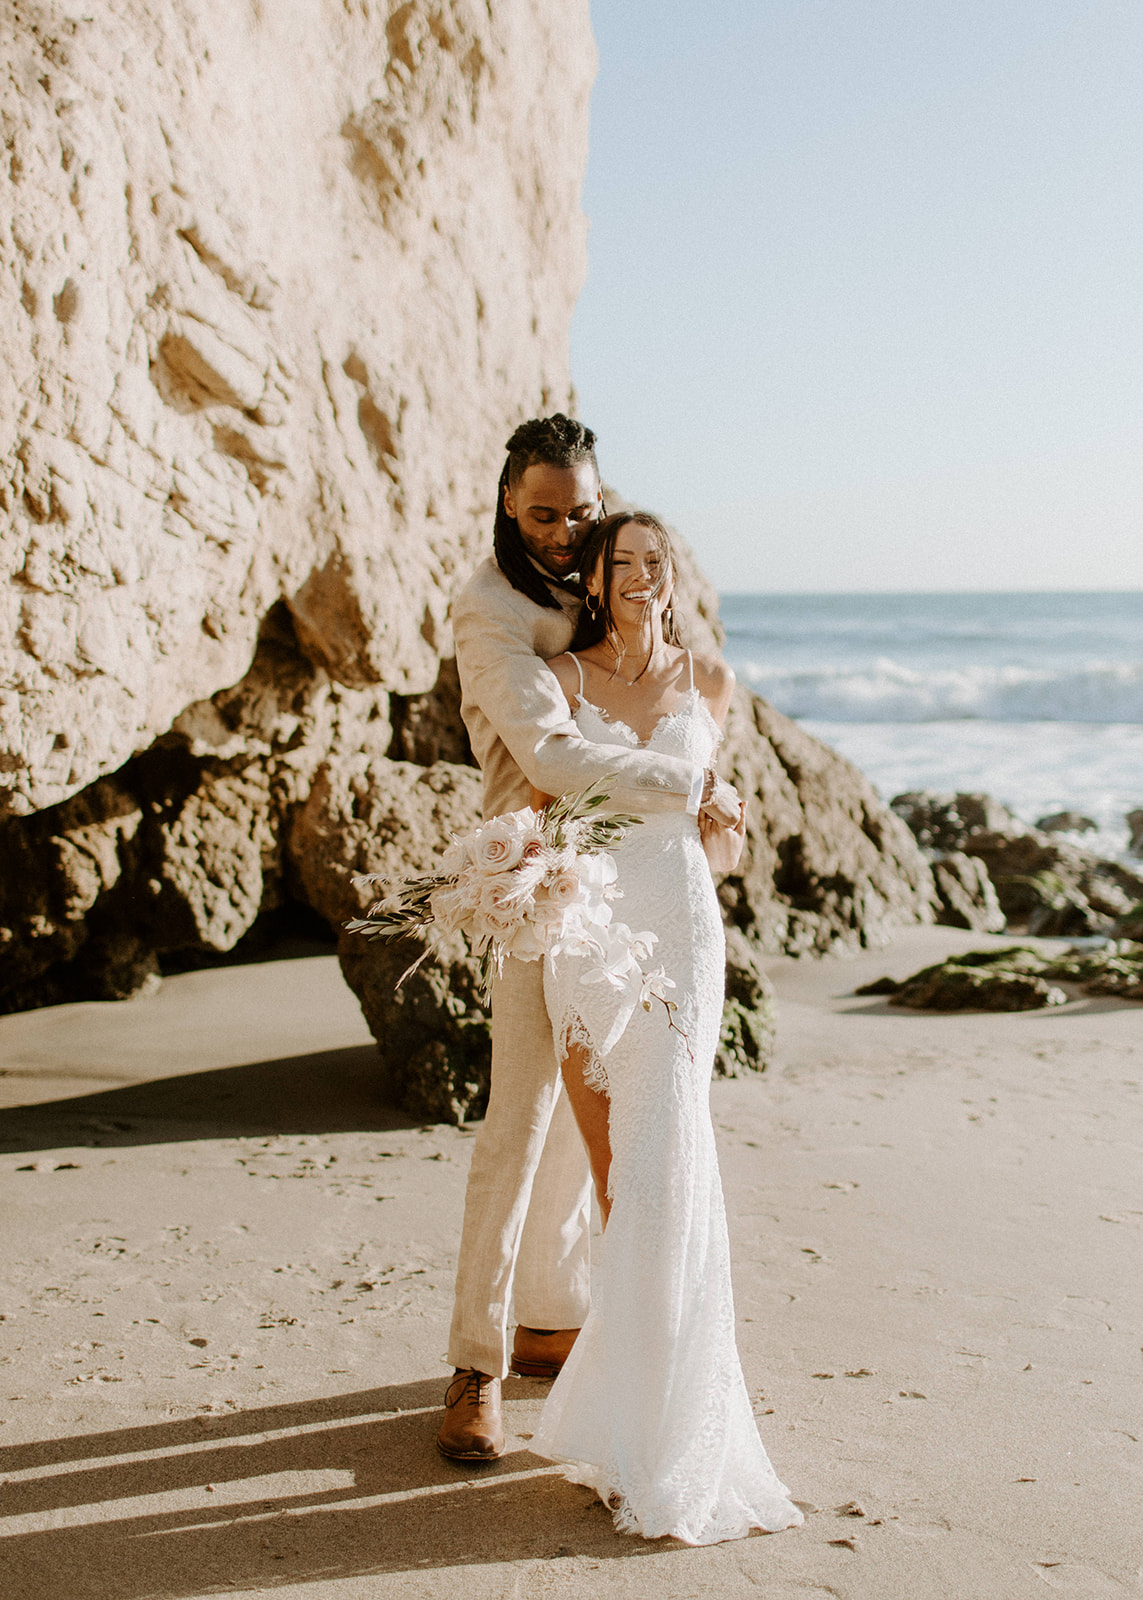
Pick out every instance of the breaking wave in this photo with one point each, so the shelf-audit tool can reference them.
(889, 691)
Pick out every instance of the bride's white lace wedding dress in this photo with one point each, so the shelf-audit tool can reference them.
(651, 1409)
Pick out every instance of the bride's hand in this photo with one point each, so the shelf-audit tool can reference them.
(722, 845)
(722, 803)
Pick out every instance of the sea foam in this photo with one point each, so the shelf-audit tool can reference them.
(1035, 698)
(890, 691)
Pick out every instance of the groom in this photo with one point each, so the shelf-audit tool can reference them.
(524, 1245)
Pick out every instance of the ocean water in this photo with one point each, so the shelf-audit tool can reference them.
(1035, 698)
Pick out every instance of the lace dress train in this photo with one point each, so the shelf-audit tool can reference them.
(651, 1408)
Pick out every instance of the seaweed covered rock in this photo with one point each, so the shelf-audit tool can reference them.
(746, 1038)
(982, 980)
(1114, 968)
(1020, 978)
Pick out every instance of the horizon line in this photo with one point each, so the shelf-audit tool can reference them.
(917, 594)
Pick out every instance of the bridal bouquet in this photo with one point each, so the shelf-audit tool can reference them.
(528, 884)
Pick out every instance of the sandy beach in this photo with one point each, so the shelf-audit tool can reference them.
(228, 1281)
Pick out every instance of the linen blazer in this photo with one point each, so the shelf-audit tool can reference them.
(517, 716)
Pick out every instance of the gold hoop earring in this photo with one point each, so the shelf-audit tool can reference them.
(593, 610)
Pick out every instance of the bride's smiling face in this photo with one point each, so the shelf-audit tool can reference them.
(641, 577)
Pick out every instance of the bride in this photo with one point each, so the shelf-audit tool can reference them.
(651, 1409)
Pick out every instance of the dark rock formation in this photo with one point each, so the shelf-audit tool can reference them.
(1066, 822)
(746, 1040)
(1054, 886)
(945, 822)
(180, 853)
(827, 866)
(392, 820)
(1129, 926)
(967, 896)
(1045, 884)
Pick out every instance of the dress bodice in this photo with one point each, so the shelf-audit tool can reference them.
(689, 731)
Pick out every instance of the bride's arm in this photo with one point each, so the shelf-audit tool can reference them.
(722, 844)
(714, 680)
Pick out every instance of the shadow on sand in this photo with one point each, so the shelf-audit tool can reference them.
(327, 1091)
(423, 1512)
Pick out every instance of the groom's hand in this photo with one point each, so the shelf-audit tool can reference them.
(720, 801)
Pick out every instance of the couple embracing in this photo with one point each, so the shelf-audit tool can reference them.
(572, 671)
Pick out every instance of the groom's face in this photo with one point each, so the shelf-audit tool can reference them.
(555, 509)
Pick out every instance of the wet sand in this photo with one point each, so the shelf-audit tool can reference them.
(227, 1285)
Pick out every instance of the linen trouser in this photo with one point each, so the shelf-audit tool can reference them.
(524, 1246)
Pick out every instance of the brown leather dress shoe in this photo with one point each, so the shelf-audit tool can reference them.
(472, 1429)
(541, 1352)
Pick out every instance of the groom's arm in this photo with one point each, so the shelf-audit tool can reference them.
(520, 697)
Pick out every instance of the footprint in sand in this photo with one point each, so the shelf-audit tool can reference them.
(1086, 1583)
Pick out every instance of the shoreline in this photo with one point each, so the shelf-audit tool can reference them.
(235, 1273)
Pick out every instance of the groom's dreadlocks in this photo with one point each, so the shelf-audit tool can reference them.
(555, 441)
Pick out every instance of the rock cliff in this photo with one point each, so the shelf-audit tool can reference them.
(278, 281)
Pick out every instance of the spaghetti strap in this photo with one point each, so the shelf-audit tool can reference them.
(690, 668)
(579, 669)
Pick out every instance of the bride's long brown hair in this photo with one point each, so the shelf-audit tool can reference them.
(598, 624)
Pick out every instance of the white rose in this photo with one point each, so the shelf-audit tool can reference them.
(456, 858)
(563, 887)
(498, 845)
(499, 906)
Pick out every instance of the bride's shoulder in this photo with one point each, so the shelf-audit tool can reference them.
(714, 680)
(564, 667)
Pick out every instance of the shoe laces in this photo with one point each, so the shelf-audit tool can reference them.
(474, 1389)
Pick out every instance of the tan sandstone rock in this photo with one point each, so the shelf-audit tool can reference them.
(277, 282)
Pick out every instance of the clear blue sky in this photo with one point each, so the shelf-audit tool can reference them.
(865, 297)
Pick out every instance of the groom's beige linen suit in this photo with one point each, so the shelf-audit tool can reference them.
(524, 1246)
